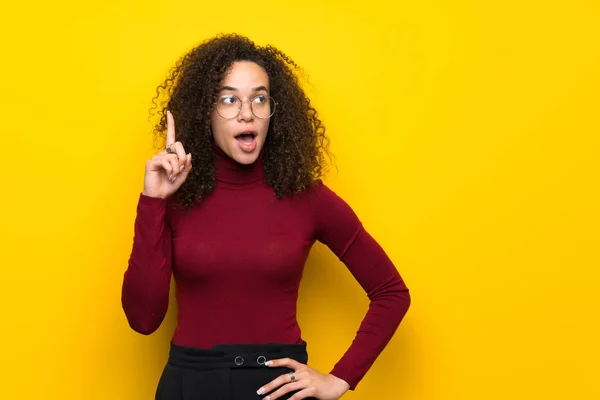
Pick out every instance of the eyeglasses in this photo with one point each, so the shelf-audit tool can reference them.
(262, 106)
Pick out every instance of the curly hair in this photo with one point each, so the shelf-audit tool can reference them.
(296, 144)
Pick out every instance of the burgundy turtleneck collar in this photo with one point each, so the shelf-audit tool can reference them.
(232, 172)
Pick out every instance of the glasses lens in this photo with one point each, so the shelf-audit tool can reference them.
(228, 106)
(263, 106)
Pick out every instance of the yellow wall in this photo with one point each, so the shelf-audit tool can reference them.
(467, 140)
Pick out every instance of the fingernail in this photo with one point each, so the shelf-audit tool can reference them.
(269, 363)
(268, 398)
(181, 168)
(260, 391)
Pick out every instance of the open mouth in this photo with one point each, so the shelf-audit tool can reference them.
(246, 136)
(247, 140)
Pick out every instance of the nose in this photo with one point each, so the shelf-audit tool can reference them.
(246, 112)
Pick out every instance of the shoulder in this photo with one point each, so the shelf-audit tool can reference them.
(319, 192)
(318, 198)
(328, 207)
(335, 221)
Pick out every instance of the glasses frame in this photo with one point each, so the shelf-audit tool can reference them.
(242, 104)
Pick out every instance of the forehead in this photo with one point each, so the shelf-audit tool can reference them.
(245, 75)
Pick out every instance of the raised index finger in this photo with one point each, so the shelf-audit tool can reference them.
(170, 128)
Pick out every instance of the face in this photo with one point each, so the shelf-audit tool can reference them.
(243, 136)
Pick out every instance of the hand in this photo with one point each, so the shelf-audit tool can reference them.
(167, 170)
(309, 382)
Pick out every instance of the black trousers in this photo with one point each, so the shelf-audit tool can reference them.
(224, 372)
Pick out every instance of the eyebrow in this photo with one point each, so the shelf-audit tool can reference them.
(256, 89)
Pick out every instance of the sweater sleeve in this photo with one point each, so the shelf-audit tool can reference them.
(339, 228)
(146, 282)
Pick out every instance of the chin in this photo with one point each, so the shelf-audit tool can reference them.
(245, 158)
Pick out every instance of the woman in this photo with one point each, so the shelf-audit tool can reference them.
(235, 231)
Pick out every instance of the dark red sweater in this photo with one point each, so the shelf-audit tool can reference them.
(237, 259)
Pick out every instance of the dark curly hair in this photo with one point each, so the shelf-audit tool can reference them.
(295, 146)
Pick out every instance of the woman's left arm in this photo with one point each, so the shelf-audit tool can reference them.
(338, 227)
(389, 301)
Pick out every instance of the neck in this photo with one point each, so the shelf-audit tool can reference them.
(230, 171)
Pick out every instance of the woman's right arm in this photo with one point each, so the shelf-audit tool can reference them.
(146, 284)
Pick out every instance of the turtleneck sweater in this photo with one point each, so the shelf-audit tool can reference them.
(237, 258)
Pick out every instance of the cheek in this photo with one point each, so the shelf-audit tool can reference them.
(266, 126)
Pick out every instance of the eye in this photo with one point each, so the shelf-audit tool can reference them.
(260, 99)
(228, 100)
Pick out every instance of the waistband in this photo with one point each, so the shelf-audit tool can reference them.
(234, 355)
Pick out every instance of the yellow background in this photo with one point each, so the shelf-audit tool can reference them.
(466, 136)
